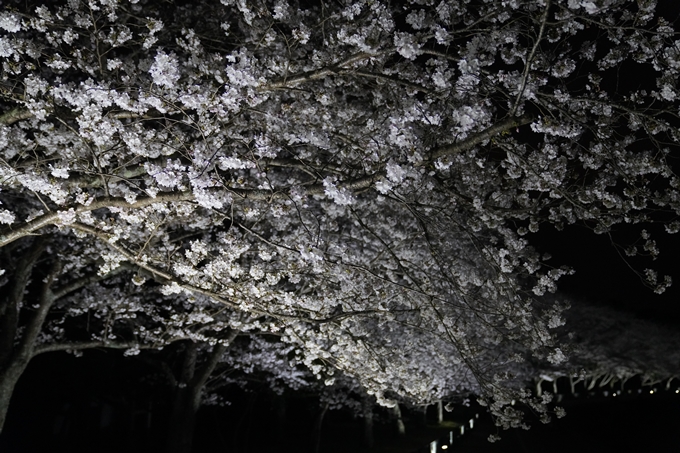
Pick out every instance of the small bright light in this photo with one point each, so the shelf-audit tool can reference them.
(677, 391)
(613, 394)
(651, 392)
(445, 447)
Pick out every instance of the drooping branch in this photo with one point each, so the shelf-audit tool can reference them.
(166, 278)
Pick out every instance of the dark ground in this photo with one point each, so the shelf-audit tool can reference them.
(61, 405)
(647, 423)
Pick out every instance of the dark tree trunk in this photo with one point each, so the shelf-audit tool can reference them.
(401, 428)
(423, 416)
(280, 408)
(16, 350)
(182, 420)
(180, 437)
(316, 432)
(539, 388)
(368, 422)
(188, 393)
(8, 380)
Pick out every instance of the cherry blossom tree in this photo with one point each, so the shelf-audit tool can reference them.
(356, 177)
(608, 347)
(59, 296)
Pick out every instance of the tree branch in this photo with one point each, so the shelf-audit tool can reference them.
(53, 218)
(24, 351)
(476, 139)
(18, 114)
(218, 350)
(79, 345)
(9, 309)
(387, 78)
(87, 280)
(94, 181)
(365, 182)
(166, 278)
(297, 79)
(530, 58)
(14, 116)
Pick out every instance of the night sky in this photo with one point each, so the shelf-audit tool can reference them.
(603, 276)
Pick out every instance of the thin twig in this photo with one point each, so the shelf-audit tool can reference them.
(527, 66)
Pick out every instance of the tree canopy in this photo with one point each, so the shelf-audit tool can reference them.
(358, 178)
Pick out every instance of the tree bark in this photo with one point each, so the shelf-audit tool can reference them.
(593, 381)
(8, 380)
